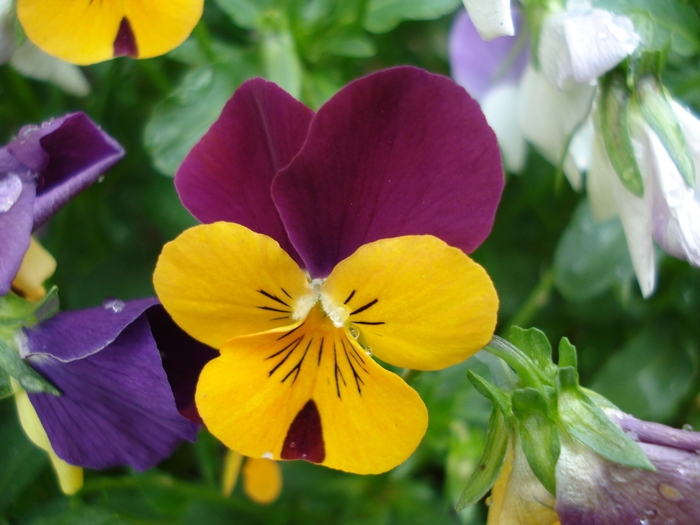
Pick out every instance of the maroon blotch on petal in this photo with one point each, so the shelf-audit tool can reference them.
(125, 41)
(305, 436)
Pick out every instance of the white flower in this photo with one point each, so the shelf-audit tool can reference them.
(492, 18)
(583, 43)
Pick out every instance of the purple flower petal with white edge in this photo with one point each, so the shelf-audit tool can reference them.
(183, 359)
(593, 491)
(227, 176)
(479, 66)
(116, 407)
(399, 152)
(53, 162)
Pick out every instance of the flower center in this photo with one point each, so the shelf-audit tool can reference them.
(338, 314)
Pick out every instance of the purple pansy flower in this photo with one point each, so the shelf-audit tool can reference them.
(117, 406)
(40, 172)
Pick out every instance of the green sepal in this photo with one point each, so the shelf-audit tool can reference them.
(567, 354)
(658, 113)
(613, 124)
(490, 464)
(16, 311)
(587, 422)
(5, 386)
(499, 398)
(26, 376)
(535, 345)
(539, 436)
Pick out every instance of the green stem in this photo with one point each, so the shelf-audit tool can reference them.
(409, 375)
(536, 300)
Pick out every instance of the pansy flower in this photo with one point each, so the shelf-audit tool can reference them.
(329, 240)
(40, 171)
(85, 32)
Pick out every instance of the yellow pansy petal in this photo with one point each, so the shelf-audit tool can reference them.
(87, 31)
(262, 480)
(415, 301)
(232, 467)
(222, 280)
(37, 266)
(310, 392)
(69, 476)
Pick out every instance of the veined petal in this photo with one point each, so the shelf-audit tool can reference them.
(309, 391)
(222, 280)
(85, 32)
(228, 175)
(426, 306)
(262, 480)
(398, 152)
(15, 234)
(37, 266)
(69, 476)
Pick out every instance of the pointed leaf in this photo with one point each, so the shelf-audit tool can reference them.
(498, 397)
(535, 344)
(567, 354)
(490, 464)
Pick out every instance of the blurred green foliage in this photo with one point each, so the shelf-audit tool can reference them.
(553, 266)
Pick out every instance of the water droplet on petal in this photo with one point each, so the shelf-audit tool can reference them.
(688, 427)
(354, 331)
(670, 493)
(368, 350)
(267, 455)
(304, 455)
(10, 190)
(26, 132)
(292, 444)
(115, 305)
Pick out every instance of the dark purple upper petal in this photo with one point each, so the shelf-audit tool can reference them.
(15, 234)
(479, 65)
(117, 407)
(183, 359)
(399, 152)
(228, 174)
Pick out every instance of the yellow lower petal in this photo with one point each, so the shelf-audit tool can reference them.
(310, 392)
(262, 480)
(69, 476)
(84, 31)
(37, 266)
(415, 301)
(222, 280)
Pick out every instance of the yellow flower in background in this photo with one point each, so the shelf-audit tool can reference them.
(89, 31)
(37, 266)
(262, 478)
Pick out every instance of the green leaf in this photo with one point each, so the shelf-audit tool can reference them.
(591, 256)
(280, 61)
(587, 422)
(28, 378)
(613, 123)
(539, 437)
(535, 345)
(499, 398)
(5, 386)
(657, 111)
(385, 15)
(490, 464)
(180, 120)
(246, 13)
(567, 354)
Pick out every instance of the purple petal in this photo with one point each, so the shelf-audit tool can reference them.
(598, 492)
(15, 234)
(117, 407)
(478, 65)
(69, 336)
(399, 152)
(78, 153)
(656, 433)
(183, 359)
(228, 174)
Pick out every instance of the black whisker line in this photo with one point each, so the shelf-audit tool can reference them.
(273, 309)
(285, 292)
(297, 367)
(337, 372)
(350, 297)
(279, 318)
(291, 351)
(320, 352)
(273, 297)
(365, 307)
(296, 341)
(358, 379)
(367, 322)
(356, 356)
(290, 332)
